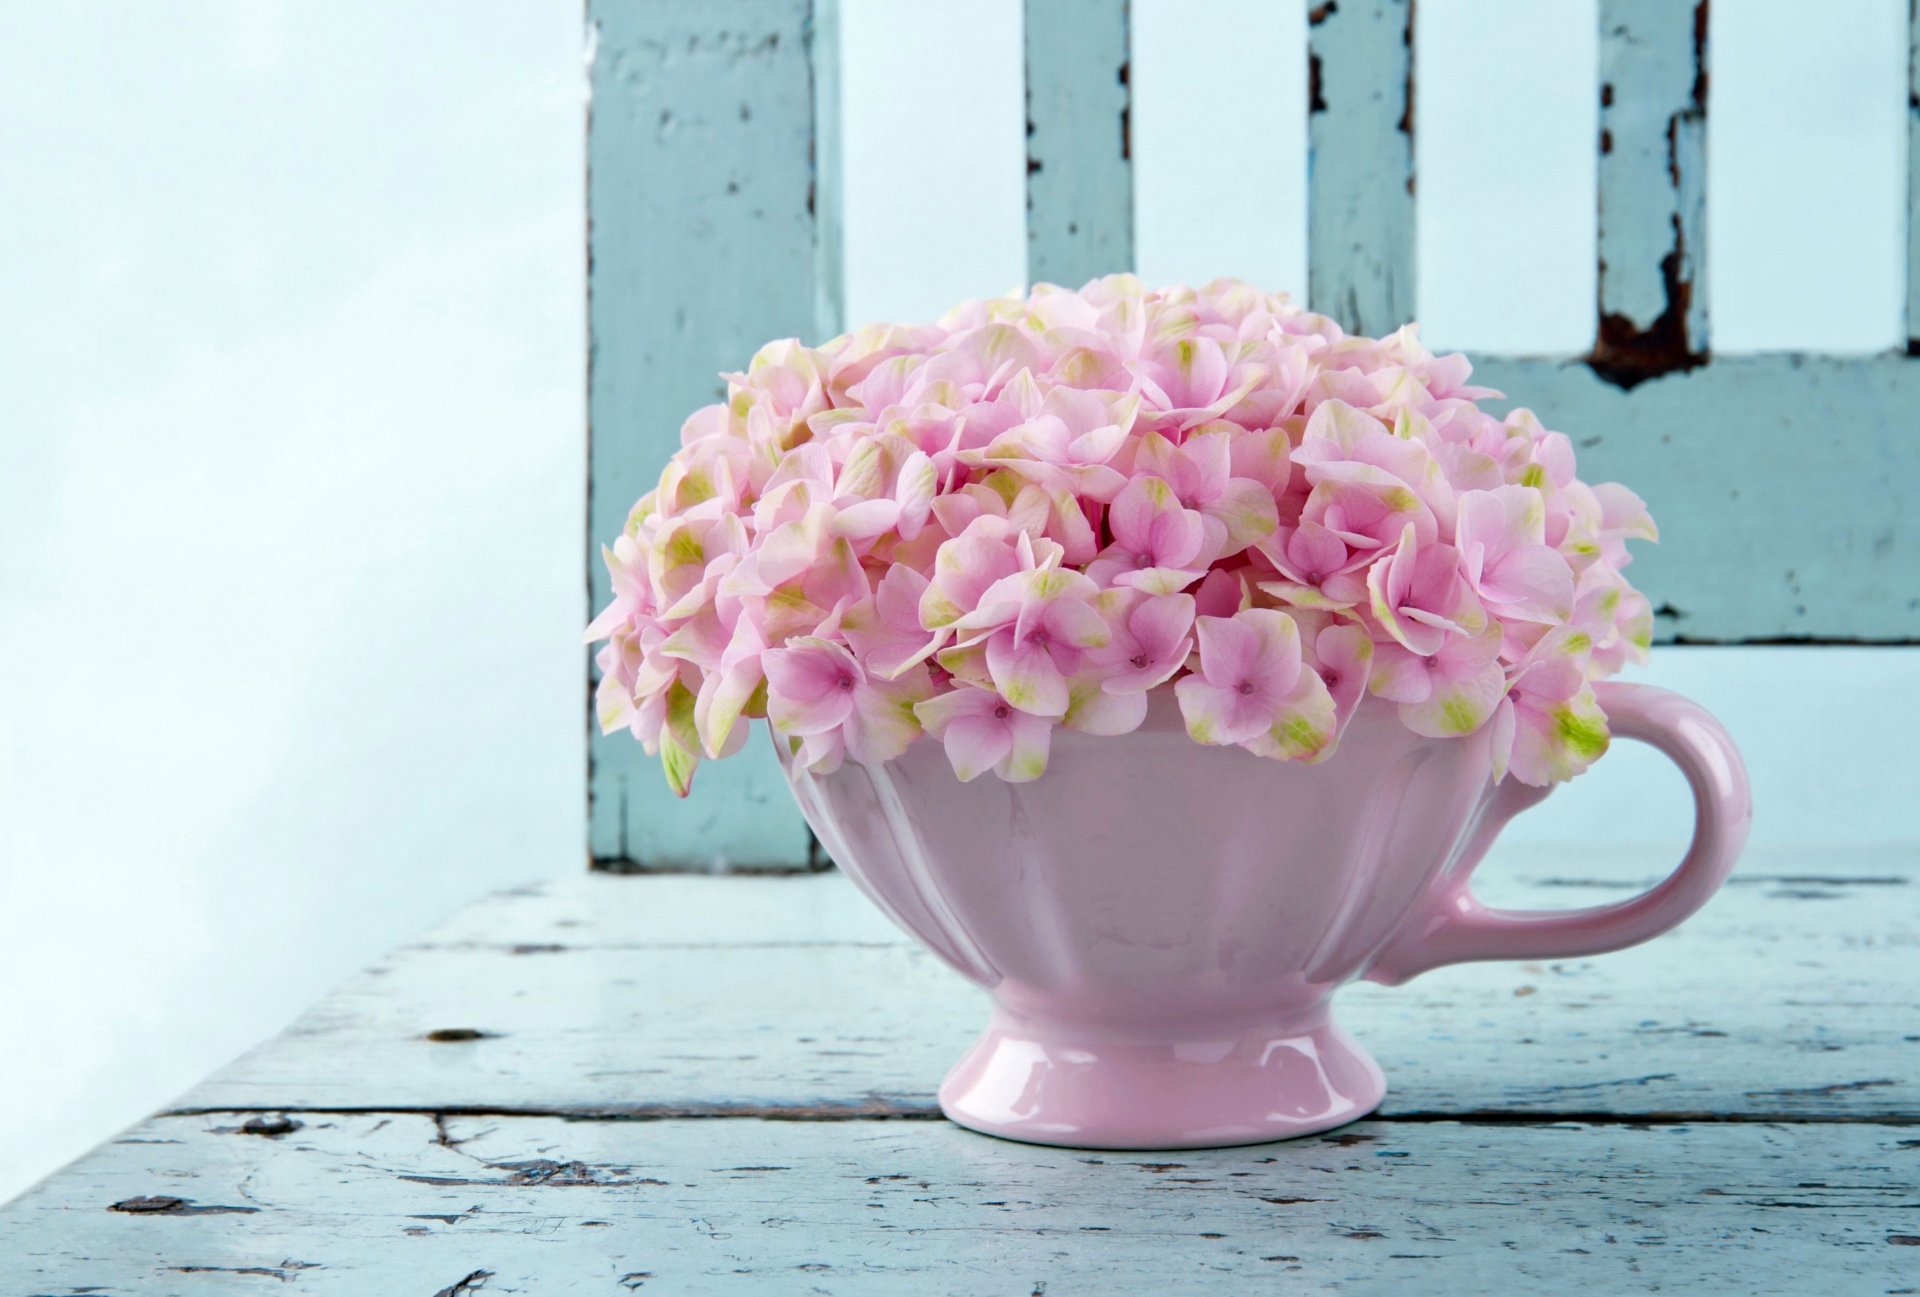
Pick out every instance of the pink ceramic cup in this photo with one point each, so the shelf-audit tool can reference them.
(1160, 924)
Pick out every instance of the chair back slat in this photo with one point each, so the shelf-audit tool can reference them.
(708, 232)
(714, 224)
(1913, 177)
(1360, 184)
(1079, 141)
(1652, 185)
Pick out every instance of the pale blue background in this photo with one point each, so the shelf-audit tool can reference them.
(291, 459)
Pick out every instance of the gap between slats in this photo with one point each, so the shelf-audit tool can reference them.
(886, 1111)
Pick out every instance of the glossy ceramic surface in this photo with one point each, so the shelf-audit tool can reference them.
(1160, 924)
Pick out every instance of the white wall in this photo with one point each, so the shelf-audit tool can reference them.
(290, 516)
(291, 455)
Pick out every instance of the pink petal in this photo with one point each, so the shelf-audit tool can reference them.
(1068, 621)
(1500, 738)
(807, 672)
(808, 715)
(723, 696)
(897, 597)
(1155, 456)
(1248, 511)
(1027, 677)
(1206, 461)
(1336, 428)
(1099, 710)
(1399, 676)
(1217, 716)
(1095, 482)
(1078, 411)
(1097, 446)
(1457, 707)
(821, 753)
(1304, 596)
(1303, 726)
(1160, 624)
(1557, 742)
(915, 490)
(700, 641)
(975, 745)
(611, 618)
(1500, 520)
(1344, 663)
(1201, 367)
(1313, 553)
(1133, 511)
(1026, 759)
(866, 520)
(1277, 666)
(613, 704)
(1623, 513)
(1158, 580)
(1176, 538)
(943, 709)
(1532, 582)
(884, 723)
(1264, 456)
(791, 548)
(1229, 650)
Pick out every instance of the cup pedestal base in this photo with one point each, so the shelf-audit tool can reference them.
(1194, 1088)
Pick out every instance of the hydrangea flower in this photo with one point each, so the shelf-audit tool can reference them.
(1042, 508)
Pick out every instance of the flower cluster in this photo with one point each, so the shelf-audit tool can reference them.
(1040, 509)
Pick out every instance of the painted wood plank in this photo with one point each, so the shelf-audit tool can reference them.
(396, 1203)
(1079, 145)
(1913, 177)
(829, 177)
(1788, 997)
(1652, 187)
(1761, 537)
(709, 232)
(1360, 162)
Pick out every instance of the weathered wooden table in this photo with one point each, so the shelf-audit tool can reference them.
(691, 1084)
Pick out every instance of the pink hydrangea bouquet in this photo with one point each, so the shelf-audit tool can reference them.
(1041, 509)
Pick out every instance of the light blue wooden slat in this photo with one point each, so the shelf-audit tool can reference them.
(1360, 204)
(709, 228)
(1782, 486)
(1079, 150)
(1913, 177)
(1652, 187)
(796, 995)
(829, 236)
(479, 1205)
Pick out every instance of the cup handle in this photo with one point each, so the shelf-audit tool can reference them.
(1448, 926)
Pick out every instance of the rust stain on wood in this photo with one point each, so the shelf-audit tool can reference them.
(1700, 56)
(1626, 355)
